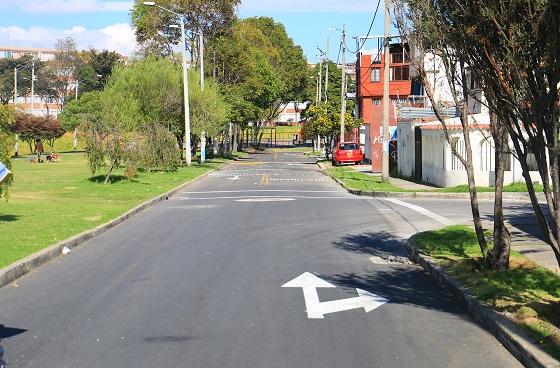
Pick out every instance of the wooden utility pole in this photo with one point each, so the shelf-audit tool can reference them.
(386, 98)
(343, 86)
(320, 76)
(327, 71)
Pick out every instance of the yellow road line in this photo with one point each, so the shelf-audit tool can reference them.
(265, 179)
(274, 156)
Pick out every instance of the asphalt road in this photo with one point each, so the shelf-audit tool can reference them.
(197, 282)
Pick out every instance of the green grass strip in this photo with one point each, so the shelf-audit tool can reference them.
(530, 294)
(360, 181)
(50, 202)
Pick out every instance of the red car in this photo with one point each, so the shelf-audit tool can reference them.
(347, 152)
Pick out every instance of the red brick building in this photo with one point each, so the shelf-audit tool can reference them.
(369, 87)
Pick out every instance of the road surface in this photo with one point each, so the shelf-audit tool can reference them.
(197, 281)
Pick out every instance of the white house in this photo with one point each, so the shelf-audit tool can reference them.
(291, 113)
(424, 153)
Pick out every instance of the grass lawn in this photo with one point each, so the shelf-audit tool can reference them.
(360, 181)
(50, 202)
(528, 293)
(514, 187)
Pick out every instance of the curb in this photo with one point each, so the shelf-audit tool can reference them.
(484, 196)
(513, 338)
(22, 267)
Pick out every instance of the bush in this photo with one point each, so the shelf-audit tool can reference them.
(31, 128)
(6, 119)
(159, 149)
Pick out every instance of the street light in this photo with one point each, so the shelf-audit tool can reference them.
(185, 80)
(343, 89)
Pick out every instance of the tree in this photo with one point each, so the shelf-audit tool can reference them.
(31, 128)
(77, 111)
(213, 17)
(421, 27)
(63, 69)
(514, 52)
(262, 65)
(155, 84)
(95, 68)
(324, 120)
(6, 119)
(109, 134)
(209, 110)
(23, 65)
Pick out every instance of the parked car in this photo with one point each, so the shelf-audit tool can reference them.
(347, 152)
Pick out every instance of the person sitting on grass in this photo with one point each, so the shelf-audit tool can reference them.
(52, 157)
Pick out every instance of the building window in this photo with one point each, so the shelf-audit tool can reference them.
(397, 58)
(399, 73)
(376, 101)
(376, 74)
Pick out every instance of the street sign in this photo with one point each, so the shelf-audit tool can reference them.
(317, 309)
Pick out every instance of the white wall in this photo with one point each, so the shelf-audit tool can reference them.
(441, 168)
(406, 149)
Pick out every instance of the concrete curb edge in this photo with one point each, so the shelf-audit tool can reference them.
(512, 337)
(22, 267)
(485, 196)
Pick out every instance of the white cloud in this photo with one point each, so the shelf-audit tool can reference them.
(307, 6)
(117, 37)
(68, 6)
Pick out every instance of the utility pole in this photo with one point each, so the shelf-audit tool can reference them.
(201, 67)
(320, 76)
(15, 86)
(33, 86)
(188, 156)
(386, 101)
(327, 71)
(343, 87)
(186, 95)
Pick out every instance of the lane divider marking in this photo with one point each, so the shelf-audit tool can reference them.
(422, 210)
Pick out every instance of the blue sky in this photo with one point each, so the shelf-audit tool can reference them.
(106, 24)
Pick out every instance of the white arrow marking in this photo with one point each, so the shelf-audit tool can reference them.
(236, 177)
(317, 309)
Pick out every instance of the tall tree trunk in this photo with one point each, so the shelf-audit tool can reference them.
(235, 143)
(502, 237)
(75, 138)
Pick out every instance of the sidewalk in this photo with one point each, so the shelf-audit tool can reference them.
(523, 241)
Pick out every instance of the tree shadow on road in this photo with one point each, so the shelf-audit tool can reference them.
(522, 217)
(376, 244)
(400, 283)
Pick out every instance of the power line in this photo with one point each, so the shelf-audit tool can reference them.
(338, 57)
(369, 31)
